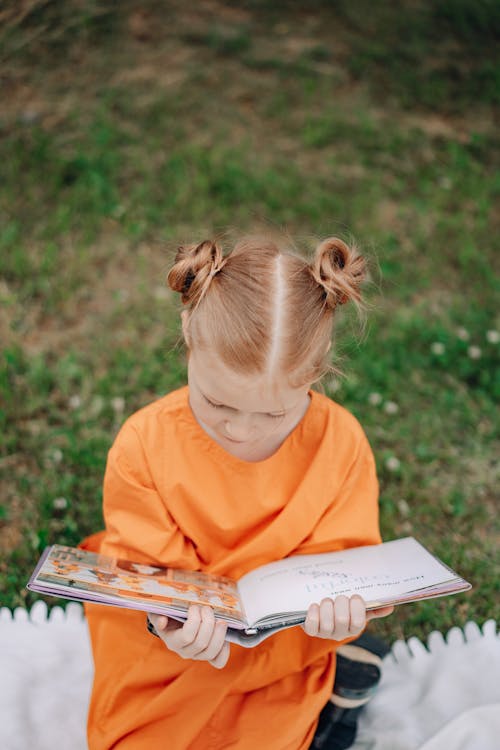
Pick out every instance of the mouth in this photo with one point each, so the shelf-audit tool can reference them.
(238, 442)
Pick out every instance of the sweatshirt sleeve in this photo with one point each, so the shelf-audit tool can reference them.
(352, 517)
(139, 526)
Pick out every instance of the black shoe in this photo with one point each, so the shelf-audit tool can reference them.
(359, 668)
(358, 673)
(336, 728)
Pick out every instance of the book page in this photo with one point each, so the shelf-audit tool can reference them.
(374, 572)
(75, 573)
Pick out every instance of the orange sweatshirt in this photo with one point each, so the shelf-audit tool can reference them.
(173, 496)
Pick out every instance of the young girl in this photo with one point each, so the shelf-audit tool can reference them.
(243, 466)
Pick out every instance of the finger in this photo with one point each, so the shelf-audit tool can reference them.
(311, 624)
(185, 636)
(372, 614)
(342, 617)
(216, 642)
(205, 632)
(326, 617)
(357, 617)
(222, 657)
(159, 622)
(162, 622)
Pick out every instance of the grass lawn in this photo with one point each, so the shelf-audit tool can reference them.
(129, 128)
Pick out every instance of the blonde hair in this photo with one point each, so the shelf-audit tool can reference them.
(265, 309)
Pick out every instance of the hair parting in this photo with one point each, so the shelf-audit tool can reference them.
(263, 308)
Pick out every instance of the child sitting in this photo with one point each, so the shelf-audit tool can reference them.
(244, 465)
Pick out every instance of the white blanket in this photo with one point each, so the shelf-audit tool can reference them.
(46, 669)
(444, 697)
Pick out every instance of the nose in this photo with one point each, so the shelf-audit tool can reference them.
(239, 428)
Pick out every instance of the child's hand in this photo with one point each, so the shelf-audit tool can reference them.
(201, 637)
(340, 618)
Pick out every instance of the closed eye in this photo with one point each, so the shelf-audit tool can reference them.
(221, 406)
(215, 406)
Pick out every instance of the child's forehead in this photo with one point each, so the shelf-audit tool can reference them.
(247, 392)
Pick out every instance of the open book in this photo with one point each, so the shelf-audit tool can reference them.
(269, 598)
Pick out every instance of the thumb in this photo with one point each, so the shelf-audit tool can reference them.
(373, 614)
(159, 622)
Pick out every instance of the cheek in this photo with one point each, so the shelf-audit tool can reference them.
(210, 416)
(287, 424)
(272, 426)
(206, 413)
(199, 408)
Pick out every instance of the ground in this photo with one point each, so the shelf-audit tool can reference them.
(126, 129)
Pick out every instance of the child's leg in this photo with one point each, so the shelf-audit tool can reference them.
(358, 672)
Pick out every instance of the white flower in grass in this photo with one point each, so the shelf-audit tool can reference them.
(392, 463)
(390, 407)
(96, 406)
(75, 402)
(403, 507)
(463, 334)
(56, 455)
(161, 292)
(375, 399)
(493, 337)
(118, 404)
(60, 503)
(119, 211)
(437, 348)
(474, 352)
(333, 384)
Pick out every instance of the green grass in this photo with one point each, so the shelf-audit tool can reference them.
(253, 129)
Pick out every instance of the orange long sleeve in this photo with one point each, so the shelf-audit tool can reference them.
(175, 497)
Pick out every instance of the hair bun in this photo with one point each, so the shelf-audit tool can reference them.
(340, 270)
(194, 268)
